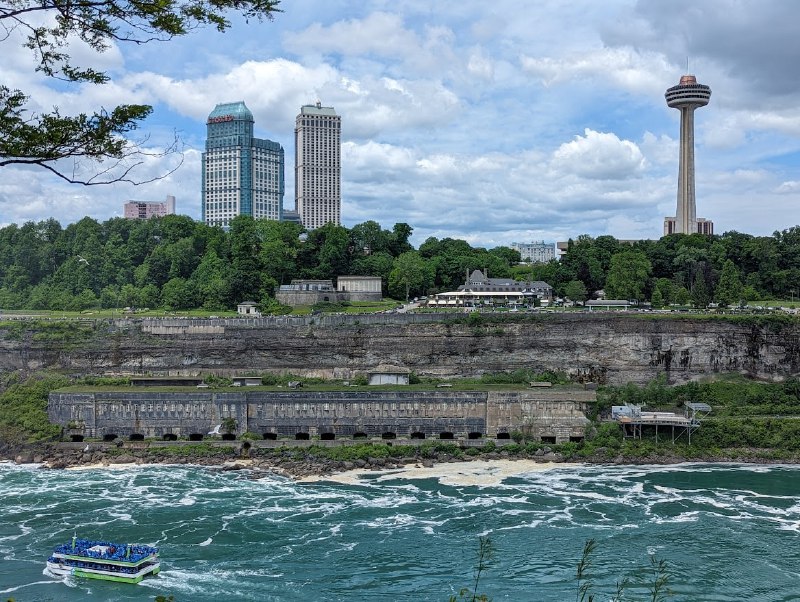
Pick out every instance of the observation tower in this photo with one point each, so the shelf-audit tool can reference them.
(687, 96)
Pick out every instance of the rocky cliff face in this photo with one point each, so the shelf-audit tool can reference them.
(612, 348)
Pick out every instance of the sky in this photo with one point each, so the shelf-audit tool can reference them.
(493, 122)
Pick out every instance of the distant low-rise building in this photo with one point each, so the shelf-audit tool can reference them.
(307, 292)
(360, 288)
(480, 290)
(535, 252)
(142, 210)
(348, 288)
(609, 304)
(389, 375)
(248, 308)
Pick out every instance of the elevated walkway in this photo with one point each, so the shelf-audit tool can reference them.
(633, 420)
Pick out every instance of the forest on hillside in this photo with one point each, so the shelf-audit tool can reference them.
(176, 262)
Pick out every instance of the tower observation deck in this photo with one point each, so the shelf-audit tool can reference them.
(687, 96)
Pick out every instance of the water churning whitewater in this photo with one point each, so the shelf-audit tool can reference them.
(726, 532)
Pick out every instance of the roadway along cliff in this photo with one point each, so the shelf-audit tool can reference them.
(612, 348)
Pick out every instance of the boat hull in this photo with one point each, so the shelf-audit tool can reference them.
(63, 570)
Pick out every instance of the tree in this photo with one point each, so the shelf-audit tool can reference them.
(398, 241)
(729, 288)
(627, 275)
(666, 288)
(681, 295)
(657, 299)
(575, 290)
(46, 28)
(279, 247)
(701, 295)
(244, 278)
(369, 238)
(410, 273)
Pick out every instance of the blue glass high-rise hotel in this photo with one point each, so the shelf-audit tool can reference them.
(242, 175)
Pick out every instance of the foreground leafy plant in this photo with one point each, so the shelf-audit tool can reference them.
(485, 555)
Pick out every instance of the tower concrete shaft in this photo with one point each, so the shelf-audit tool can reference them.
(687, 96)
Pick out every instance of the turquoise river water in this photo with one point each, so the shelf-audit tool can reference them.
(727, 532)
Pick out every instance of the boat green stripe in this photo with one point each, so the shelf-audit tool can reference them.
(80, 573)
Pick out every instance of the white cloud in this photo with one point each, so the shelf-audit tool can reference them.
(480, 65)
(788, 187)
(625, 67)
(382, 34)
(599, 155)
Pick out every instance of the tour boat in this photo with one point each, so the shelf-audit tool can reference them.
(123, 562)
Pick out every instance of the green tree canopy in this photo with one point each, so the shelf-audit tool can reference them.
(411, 274)
(657, 299)
(627, 275)
(575, 290)
(729, 288)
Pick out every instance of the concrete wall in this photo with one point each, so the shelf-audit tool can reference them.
(556, 414)
(297, 298)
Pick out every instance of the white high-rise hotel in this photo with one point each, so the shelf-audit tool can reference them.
(242, 175)
(318, 166)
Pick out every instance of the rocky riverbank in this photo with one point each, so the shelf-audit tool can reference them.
(307, 465)
(294, 463)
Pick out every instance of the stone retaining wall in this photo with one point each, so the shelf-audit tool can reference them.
(549, 415)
